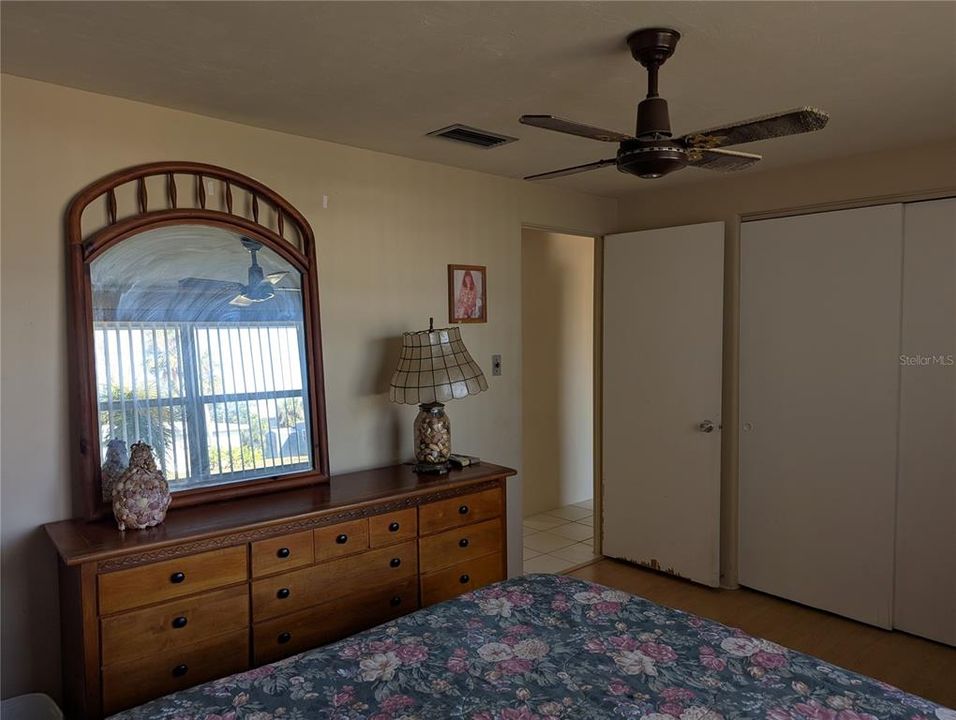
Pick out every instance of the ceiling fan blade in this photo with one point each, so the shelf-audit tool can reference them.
(275, 277)
(721, 160)
(573, 170)
(791, 122)
(241, 300)
(550, 122)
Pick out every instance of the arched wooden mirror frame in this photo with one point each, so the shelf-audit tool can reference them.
(287, 233)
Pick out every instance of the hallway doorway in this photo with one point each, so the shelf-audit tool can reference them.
(558, 341)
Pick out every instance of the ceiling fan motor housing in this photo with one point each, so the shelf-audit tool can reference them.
(650, 157)
(653, 118)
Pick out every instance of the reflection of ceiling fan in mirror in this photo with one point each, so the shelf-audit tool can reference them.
(258, 288)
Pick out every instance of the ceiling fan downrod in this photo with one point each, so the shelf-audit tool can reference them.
(651, 47)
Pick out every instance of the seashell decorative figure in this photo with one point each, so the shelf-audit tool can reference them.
(117, 460)
(141, 494)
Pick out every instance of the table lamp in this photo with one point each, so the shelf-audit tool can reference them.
(434, 367)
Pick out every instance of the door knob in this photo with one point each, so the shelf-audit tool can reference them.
(707, 426)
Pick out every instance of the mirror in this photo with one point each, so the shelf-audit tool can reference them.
(199, 350)
(194, 327)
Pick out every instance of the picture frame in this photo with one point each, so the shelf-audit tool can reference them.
(467, 294)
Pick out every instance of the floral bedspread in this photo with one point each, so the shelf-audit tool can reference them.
(546, 647)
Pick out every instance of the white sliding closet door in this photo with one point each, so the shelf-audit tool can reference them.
(663, 330)
(925, 600)
(819, 398)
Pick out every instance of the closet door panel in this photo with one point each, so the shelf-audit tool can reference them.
(925, 598)
(819, 388)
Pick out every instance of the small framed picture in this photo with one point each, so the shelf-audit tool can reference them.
(467, 294)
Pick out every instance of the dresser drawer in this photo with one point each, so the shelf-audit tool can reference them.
(174, 624)
(455, 546)
(454, 512)
(457, 579)
(286, 593)
(286, 552)
(321, 624)
(294, 591)
(391, 528)
(131, 683)
(342, 539)
(160, 581)
(376, 568)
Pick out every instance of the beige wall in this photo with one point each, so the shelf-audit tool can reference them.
(924, 170)
(557, 366)
(391, 226)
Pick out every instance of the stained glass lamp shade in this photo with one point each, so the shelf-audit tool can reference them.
(434, 367)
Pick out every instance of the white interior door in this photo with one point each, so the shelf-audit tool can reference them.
(663, 330)
(819, 400)
(925, 588)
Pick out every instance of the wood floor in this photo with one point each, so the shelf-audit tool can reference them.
(919, 666)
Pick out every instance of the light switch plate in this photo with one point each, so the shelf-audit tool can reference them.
(496, 364)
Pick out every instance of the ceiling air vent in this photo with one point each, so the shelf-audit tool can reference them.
(472, 136)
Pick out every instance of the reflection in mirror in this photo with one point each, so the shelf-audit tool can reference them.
(199, 349)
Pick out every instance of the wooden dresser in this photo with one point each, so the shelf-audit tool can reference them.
(224, 587)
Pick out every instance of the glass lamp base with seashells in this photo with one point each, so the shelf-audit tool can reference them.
(432, 439)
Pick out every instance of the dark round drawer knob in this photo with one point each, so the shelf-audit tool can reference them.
(463, 510)
(342, 539)
(180, 622)
(396, 601)
(395, 562)
(463, 542)
(283, 552)
(180, 670)
(282, 593)
(284, 638)
(464, 579)
(177, 577)
(393, 527)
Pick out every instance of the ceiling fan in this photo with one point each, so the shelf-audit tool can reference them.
(651, 152)
(258, 288)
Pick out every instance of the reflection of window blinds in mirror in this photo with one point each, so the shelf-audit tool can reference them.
(220, 402)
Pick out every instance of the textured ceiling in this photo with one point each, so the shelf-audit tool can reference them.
(380, 75)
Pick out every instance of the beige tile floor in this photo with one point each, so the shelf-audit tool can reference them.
(559, 539)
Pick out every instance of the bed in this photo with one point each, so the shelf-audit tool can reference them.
(545, 647)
